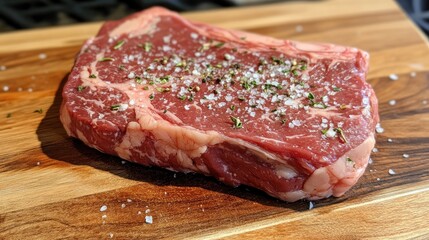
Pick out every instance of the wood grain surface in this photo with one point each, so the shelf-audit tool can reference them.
(52, 186)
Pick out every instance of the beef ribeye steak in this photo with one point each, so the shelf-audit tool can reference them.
(295, 120)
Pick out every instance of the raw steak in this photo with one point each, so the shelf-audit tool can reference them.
(295, 120)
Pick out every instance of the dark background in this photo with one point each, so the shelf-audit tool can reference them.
(26, 14)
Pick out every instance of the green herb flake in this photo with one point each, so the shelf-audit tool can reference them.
(350, 161)
(115, 107)
(119, 44)
(241, 98)
(236, 123)
(232, 107)
(319, 105)
(121, 67)
(80, 88)
(164, 79)
(277, 60)
(105, 59)
(295, 72)
(165, 111)
(341, 134)
(162, 89)
(263, 62)
(283, 121)
(138, 80)
(181, 64)
(152, 96)
(219, 44)
(246, 85)
(336, 89)
(147, 46)
(146, 88)
(324, 131)
(92, 76)
(310, 96)
(183, 97)
(38, 111)
(205, 46)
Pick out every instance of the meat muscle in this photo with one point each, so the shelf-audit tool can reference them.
(293, 119)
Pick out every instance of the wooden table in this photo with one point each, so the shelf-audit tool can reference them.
(52, 186)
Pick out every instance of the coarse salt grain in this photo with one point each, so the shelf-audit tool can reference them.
(131, 75)
(123, 107)
(310, 205)
(129, 200)
(392, 102)
(330, 133)
(167, 39)
(299, 28)
(148, 219)
(378, 128)
(5, 88)
(374, 150)
(296, 123)
(42, 56)
(392, 172)
(389, 140)
(194, 35)
(393, 77)
(111, 235)
(325, 99)
(103, 208)
(228, 56)
(370, 161)
(405, 155)
(166, 48)
(413, 74)
(378, 179)
(2, 68)
(425, 102)
(123, 205)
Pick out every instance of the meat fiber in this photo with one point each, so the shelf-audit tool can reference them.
(295, 120)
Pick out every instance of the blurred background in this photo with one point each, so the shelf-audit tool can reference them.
(26, 14)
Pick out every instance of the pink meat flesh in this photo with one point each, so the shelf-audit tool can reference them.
(295, 120)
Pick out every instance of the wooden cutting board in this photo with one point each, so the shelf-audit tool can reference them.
(52, 186)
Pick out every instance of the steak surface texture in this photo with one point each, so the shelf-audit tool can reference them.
(293, 119)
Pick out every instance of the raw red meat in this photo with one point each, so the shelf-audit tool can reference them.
(295, 120)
